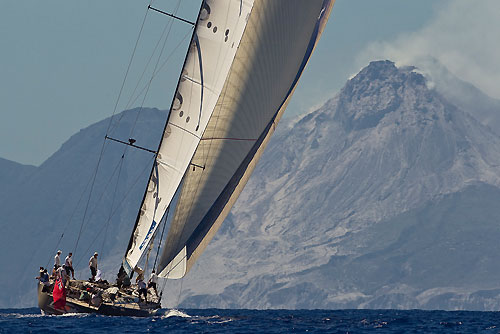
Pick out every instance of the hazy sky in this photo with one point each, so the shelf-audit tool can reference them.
(62, 63)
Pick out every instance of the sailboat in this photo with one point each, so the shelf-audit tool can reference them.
(242, 66)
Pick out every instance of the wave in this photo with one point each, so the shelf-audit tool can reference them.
(175, 313)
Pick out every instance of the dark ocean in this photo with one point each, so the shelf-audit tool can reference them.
(251, 321)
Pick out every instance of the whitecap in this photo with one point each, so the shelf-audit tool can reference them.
(175, 313)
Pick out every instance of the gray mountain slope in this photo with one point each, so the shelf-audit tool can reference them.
(13, 174)
(332, 192)
(416, 259)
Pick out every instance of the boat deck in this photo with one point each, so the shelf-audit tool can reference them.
(111, 300)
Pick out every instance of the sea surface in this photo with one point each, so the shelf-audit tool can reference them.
(253, 321)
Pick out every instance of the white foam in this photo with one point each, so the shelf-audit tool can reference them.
(74, 314)
(175, 313)
(19, 315)
(222, 321)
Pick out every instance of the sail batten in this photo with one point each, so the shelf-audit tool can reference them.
(213, 46)
(278, 42)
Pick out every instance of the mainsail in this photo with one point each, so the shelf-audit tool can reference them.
(216, 37)
(276, 46)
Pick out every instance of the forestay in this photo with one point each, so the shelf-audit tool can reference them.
(277, 43)
(216, 37)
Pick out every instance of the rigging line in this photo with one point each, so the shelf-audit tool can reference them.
(116, 209)
(100, 197)
(150, 248)
(90, 195)
(151, 243)
(164, 283)
(179, 296)
(174, 265)
(110, 122)
(185, 130)
(161, 237)
(160, 68)
(172, 268)
(147, 65)
(131, 99)
(69, 220)
(121, 202)
(154, 70)
(129, 65)
(104, 190)
(113, 200)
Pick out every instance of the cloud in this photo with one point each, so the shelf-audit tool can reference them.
(463, 35)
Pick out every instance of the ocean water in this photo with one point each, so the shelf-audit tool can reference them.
(253, 321)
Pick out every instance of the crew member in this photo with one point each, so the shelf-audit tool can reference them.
(68, 265)
(93, 266)
(57, 259)
(61, 273)
(152, 281)
(44, 279)
(142, 289)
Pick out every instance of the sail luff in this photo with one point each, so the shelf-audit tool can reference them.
(204, 72)
(276, 21)
(131, 240)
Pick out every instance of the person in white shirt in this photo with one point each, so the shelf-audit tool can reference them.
(153, 281)
(61, 273)
(68, 265)
(57, 259)
(93, 266)
(142, 289)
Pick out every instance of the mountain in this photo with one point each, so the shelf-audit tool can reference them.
(13, 174)
(385, 197)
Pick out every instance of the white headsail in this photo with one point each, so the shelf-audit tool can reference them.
(217, 35)
(277, 44)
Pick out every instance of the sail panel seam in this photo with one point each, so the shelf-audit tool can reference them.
(200, 84)
(185, 130)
